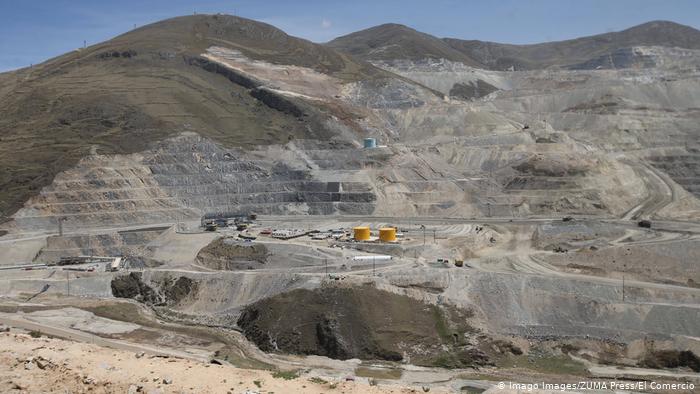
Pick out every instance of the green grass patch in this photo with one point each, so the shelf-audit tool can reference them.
(286, 375)
(470, 390)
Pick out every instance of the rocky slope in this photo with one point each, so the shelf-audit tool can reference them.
(364, 323)
(242, 117)
(146, 85)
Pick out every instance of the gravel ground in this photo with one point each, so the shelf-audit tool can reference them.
(47, 365)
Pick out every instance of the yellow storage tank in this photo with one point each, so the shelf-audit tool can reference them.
(361, 233)
(387, 234)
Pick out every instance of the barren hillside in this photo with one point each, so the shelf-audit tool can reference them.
(392, 42)
(146, 85)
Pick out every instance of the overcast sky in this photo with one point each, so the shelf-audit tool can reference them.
(32, 31)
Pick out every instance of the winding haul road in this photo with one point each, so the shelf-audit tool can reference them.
(660, 189)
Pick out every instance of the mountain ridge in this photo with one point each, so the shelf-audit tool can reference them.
(412, 45)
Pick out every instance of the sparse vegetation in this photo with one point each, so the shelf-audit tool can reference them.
(557, 365)
(35, 334)
(441, 326)
(105, 108)
(286, 375)
(317, 380)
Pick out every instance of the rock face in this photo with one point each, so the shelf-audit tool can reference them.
(167, 291)
(184, 177)
(204, 175)
(360, 322)
(277, 102)
(131, 286)
(472, 90)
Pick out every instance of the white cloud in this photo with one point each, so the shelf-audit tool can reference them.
(326, 24)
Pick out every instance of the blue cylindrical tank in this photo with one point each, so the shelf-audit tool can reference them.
(370, 143)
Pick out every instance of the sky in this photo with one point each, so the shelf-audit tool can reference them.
(32, 31)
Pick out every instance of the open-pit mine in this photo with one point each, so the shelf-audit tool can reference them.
(387, 212)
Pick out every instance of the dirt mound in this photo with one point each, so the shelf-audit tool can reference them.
(228, 254)
(168, 291)
(362, 322)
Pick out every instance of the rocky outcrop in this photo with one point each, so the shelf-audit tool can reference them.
(276, 101)
(472, 90)
(165, 292)
(361, 322)
(232, 75)
(131, 286)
